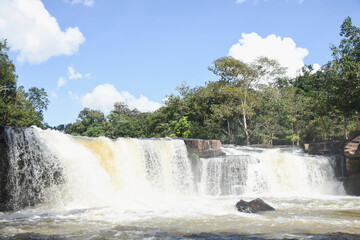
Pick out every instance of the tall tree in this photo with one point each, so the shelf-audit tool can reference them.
(18, 107)
(8, 80)
(239, 80)
(344, 71)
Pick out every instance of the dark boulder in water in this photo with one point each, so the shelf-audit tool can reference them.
(254, 206)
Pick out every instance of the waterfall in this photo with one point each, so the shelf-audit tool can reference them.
(49, 167)
(28, 169)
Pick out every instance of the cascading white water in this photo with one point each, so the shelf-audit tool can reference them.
(274, 171)
(131, 188)
(30, 169)
(97, 171)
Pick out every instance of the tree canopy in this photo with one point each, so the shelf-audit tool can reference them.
(18, 107)
(248, 103)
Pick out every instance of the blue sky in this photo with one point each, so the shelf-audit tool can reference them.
(91, 53)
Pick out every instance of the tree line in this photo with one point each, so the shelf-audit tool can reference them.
(249, 103)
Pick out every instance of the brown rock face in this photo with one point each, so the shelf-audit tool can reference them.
(204, 148)
(352, 154)
(203, 145)
(352, 148)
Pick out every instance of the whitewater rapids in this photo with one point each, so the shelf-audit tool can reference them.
(149, 188)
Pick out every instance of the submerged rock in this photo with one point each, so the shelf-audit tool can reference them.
(253, 206)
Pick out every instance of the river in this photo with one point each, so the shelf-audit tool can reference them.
(97, 188)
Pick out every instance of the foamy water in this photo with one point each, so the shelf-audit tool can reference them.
(149, 188)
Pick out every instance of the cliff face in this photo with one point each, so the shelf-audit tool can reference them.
(352, 155)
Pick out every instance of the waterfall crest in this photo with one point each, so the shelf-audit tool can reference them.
(47, 166)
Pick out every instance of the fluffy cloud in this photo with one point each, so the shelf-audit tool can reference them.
(252, 46)
(316, 67)
(31, 30)
(104, 96)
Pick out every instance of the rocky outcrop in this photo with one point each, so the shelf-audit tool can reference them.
(352, 155)
(352, 147)
(322, 148)
(254, 206)
(203, 148)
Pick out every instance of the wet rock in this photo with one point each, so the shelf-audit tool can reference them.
(254, 206)
(204, 148)
(352, 147)
(4, 168)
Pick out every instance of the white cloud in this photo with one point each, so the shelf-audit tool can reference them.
(72, 74)
(83, 2)
(61, 82)
(240, 1)
(252, 46)
(104, 96)
(34, 33)
(316, 67)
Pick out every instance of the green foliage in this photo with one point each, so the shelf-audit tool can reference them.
(18, 107)
(249, 103)
(180, 128)
(344, 70)
(91, 123)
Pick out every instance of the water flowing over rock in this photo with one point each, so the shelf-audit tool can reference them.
(27, 168)
(254, 206)
(46, 166)
(100, 188)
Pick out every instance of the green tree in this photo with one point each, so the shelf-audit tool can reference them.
(18, 107)
(8, 87)
(180, 128)
(343, 79)
(239, 81)
(39, 99)
(91, 123)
